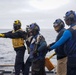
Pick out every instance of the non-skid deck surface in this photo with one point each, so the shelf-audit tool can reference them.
(30, 74)
(10, 73)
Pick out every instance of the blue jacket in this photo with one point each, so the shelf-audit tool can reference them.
(41, 47)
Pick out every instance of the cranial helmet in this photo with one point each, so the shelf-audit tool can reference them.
(58, 25)
(27, 28)
(58, 22)
(17, 25)
(17, 22)
(35, 27)
(70, 15)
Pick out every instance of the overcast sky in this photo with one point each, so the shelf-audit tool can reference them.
(43, 12)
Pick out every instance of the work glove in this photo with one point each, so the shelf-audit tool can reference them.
(48, 47)
(2, 35)
(35, 53)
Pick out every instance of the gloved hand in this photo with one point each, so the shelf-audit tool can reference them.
(48, 47)
(35, 53)
(2, 35)
(52, 44)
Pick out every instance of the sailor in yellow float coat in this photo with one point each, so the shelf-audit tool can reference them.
(18, 36)
(17, 42)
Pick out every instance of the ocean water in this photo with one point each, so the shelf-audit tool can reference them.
(7, 53)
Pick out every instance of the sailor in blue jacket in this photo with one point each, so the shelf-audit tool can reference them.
(69, 39)
(37, 50)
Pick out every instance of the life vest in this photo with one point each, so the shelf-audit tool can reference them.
(70, 45)
(38, 43)
(17, 42)
(60, 50)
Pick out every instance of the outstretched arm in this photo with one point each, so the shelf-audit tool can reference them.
(19, 34)
(3, 34)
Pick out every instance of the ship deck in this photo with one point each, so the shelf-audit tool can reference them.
(9, 71)
(12, 73)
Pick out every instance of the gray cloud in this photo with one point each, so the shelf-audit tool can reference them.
(11, 10)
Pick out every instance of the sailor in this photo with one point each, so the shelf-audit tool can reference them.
(28, 62)
(18, 36)
(61, 56)
(37, 50)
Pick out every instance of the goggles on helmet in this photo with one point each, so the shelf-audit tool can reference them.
(34, 26)
(58, 22)
(70, 14)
